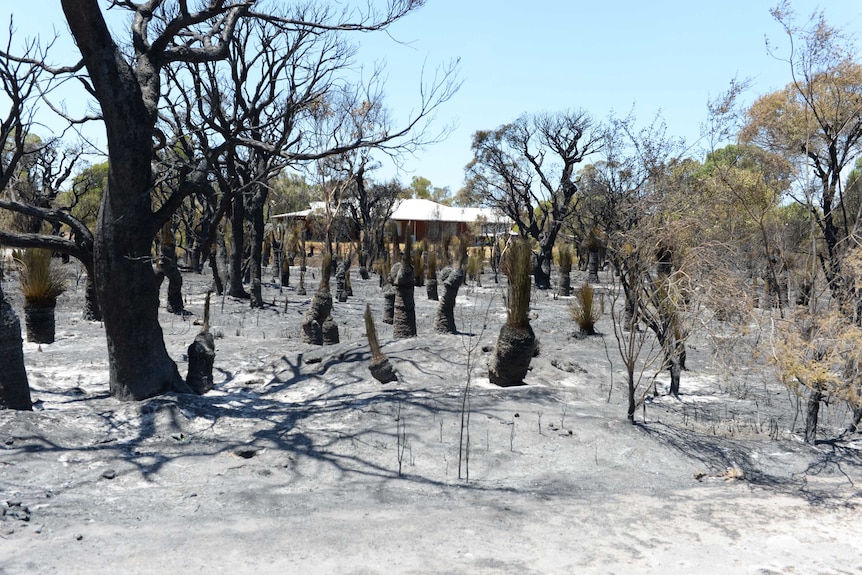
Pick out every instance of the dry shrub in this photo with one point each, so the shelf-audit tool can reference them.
(518, 264)
(474, 264)
(583, 309)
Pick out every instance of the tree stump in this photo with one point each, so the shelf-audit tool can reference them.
(318, 312)
(40, 323)
(512, 355)
(381, 369)
(201, 360)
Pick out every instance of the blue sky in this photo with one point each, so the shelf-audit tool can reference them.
(667, 56)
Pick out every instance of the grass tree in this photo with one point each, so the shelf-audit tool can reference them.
(380, 367)
(42, 284)
(318, 327)
(404, 282)
(451, 277)
(516, 343)
(583, 309)
(202, 356)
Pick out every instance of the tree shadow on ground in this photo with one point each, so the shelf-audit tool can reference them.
(814, 480)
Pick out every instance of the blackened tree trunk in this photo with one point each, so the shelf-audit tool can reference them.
(318, 328)
(166, 267)
(14, 388)
(542, 268)
(92, 312)
(404, 313)
(341, 272)
(216, 255)
(593, 266)
(389, 295)
(139, 365)
(512, 355)
(201, 357)
(565, 287)
(812, 414)
(451, 278)
(237, 244)
(257, 201)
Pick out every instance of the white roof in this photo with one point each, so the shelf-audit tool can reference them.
(419, 210)
(426, 211)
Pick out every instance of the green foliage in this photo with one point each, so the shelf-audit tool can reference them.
(519, 267)
(583, 309)
(86, 194)
(41, 283)
(421, 188)
(474, 263)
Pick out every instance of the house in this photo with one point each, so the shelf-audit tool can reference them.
(425, 219)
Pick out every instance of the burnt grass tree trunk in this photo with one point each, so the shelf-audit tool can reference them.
(39, 321)
(14, 388)
(516, 343)
(431, 277)
(379, 367)
(404, 282)
(341, 272)
(451, 278)
(202, 356)
(318, 328)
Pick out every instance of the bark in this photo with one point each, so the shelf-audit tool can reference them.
(404, 312)
(389, 294)
(512, 354)
(565, 287)
(139, 365)
(40, 323)
(214, 257)
(431, 289)
(166, 267)
(317, 326)
(201, 359)
(341, 280)
(811, 416)
(14, 388)
(255, 214)
(237, 228)
(381, 369)
(452, 278)
(593, 267)
(542, 269)
(92, 311)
